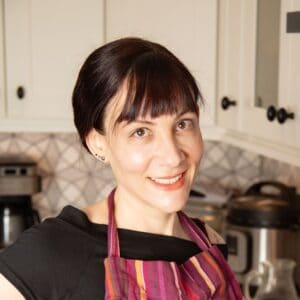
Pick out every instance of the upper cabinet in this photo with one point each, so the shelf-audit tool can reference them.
(259, 73)
(242, 54)
(187, 28)
(2, 75)
(45, 43)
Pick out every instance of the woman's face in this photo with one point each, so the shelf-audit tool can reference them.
(154, 160)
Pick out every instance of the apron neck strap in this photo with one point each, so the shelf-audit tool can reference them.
(112, 233)
(194, 232)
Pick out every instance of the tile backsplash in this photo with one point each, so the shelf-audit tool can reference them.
(72, 176)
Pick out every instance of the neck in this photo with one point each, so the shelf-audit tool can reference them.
(134, 214)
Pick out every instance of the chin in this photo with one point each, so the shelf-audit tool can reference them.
(174, 201)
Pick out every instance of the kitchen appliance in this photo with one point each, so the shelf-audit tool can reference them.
(208, 203)
(263, 225)
(18, 182)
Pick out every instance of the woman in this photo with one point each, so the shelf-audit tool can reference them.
(135, 108)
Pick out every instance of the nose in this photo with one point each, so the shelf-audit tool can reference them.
(170, 152)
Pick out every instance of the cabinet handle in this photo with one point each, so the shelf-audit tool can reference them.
(226, 102)
(20, 92)
(271, 113)
(283, 115)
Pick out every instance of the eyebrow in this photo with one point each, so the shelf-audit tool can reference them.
(152, 123)
(143, 121)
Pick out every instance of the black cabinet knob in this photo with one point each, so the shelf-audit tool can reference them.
(271, 113)
(226, 102)
(283, 115)
(20, 92)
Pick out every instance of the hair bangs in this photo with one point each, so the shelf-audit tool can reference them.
(156, 86)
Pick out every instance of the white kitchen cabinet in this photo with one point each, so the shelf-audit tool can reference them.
(2, 76)
(45, 43)
(187, 28)
(259, 66)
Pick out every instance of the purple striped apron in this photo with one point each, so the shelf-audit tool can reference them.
(203, 276)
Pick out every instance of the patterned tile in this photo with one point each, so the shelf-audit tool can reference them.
(233, 155)
(72, 176)
(54, 192)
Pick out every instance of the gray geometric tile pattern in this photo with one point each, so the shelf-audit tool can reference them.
(72, 176)
(69, 174)
(228, 166)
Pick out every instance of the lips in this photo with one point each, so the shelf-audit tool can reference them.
(169, 183)
(167, 180)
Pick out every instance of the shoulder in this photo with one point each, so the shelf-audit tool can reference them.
(64, 237)
(46, 255)
(42, 238)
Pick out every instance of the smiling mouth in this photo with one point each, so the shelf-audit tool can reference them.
(167, 181)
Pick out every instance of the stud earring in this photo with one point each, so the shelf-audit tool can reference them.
(102, 158)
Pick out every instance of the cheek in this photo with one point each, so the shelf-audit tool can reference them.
(136, 160)
(196, 150)
(132, 159)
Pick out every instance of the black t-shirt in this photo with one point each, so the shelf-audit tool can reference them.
(62, 258)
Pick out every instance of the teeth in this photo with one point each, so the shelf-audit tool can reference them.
(168, 180)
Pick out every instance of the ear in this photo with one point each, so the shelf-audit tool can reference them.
(96, 143)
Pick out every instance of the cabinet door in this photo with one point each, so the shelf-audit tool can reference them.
(46, 43)
(2, 85)
(187, 28)
(273, 79)
(230, 64)
(289, 77)
(260, 66)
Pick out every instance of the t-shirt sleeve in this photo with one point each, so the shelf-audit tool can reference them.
(43, 263)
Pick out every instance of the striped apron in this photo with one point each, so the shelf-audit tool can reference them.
(203, 276)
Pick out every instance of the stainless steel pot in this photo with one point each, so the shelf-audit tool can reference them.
(16, 215)
(210, 213)
(18, 182)
(263, 226)
(209, 205)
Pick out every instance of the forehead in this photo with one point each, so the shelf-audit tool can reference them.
(119, 112)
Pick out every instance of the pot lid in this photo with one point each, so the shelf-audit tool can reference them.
(260, 203)
(261, 210)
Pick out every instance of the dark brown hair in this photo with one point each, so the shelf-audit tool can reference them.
(158, 83)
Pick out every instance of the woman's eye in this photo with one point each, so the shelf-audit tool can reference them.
(185, 124)
(141, 132)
